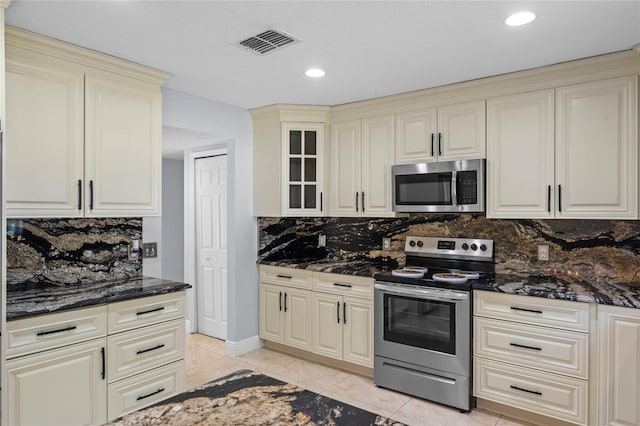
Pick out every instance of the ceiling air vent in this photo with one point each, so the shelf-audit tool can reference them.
(268, 41)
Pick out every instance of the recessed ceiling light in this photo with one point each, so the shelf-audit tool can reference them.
(314, 72)
(520, 18)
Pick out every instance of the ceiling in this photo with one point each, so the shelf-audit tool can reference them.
(367, 48)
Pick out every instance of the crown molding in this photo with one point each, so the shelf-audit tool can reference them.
(16, 38)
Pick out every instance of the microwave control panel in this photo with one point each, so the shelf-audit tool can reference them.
(467, 187)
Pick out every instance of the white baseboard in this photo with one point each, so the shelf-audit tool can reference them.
(243, 346)
(187, 327)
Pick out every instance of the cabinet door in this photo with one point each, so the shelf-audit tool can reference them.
(461, 131)
(619, 365)
(327, 325)
(596, 149)
(346, 174)
(44, 135)
(58, 387)
(415, 136)
(303, 162)
(271, 313)
(378, 148)
(297, 318)
(520, 164)
(358, 331)
(122, 146)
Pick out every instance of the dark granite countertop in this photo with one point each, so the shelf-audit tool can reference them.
(45, 299)
(547, 286)
(361, 268)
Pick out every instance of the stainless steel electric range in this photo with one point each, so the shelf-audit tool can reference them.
(422, 318)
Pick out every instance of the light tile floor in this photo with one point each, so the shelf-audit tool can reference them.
(206, 361)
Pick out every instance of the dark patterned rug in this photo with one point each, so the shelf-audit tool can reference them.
(248, 398)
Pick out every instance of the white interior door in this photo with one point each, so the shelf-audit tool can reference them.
(211, 245)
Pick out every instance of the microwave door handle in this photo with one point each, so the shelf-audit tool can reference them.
(454, 189)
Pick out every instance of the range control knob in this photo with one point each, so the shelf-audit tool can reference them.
(465, 246)
(483, 247)
(412, 243)
(420, 243)
(474, 247)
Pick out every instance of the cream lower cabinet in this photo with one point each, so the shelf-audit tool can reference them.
(64, 386)
(83, 132)
(327, 314)
(618, 366)
(533, 354)
(285, 315)
(362, 153)
(285, 306)
(91, 365)
(342, 328)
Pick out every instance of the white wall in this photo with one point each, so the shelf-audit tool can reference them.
(172, 220)
(232, 126)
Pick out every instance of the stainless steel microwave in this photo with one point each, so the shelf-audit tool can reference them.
(439, 187)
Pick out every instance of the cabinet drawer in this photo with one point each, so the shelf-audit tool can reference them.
(50, 331)
(563, 352)
(291, 277)
(548, 394)
(347, 285)
(143, 349)
(533, 310)
(145, 389)
(135, 313)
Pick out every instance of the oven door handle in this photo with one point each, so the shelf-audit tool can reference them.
(423, 293)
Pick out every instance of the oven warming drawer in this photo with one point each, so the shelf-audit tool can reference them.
(434, 385)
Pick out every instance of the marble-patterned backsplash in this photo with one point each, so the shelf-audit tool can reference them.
(46, 252)
(599, 251)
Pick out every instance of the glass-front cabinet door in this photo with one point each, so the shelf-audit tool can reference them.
(303, 165)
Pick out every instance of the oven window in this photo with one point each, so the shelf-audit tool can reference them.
(426, 324)
(432, 189)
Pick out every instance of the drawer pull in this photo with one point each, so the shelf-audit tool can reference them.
(288, 277)
(342, 285)
(535, 311)
(150, 394)
(150, 311)
(60, 330)
(533, 348)
(525, 390)
(142, 351)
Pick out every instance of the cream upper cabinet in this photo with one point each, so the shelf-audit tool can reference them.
(448, 132)
(81, 141)
(362, 153)
(583, 167)
(123, 153)
(597, 150)
(289, 160)
(45, 138)
(303, 163)
(618, 365)
(520, 155)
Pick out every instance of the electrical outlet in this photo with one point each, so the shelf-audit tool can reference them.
(322, 240)
(150, 250)
(543, 252)
(386, 244)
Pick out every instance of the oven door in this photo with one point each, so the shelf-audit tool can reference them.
(425, 326)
